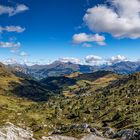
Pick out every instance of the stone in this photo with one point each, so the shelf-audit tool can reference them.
(12, 132)
(128, 134)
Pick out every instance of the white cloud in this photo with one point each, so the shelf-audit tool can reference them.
(121, 19)
(84, 38)
(72, 60)
(10, 61)
(38, 62)
(21, 8)
(17, 29)
(90, 60)
(10, 45)
(93, 59)
(87, 45)
(117, 59)
(11, 11)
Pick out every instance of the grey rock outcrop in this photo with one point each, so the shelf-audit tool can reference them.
(58, 137)
(87, 137)
(12, 132)
(93, 137)
(128, 134)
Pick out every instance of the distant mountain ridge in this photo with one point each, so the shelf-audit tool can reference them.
(59, 68)
(56, 68)
(126, 67)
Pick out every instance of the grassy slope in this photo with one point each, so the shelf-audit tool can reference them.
(12, 84)
(115, 105)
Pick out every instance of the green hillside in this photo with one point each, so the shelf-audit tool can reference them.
(78, 83)
(115, 106)
(21, 86)
(105, 100)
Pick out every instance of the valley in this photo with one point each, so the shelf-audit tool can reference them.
(103, 104)
(69, 70)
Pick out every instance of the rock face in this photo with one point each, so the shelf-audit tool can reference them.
(88, 137)
(58, 137)
(93, 137)
(128, 134)
(11, 132)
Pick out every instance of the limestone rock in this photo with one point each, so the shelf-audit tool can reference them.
(58, 137)
(93, 137)
(12, 132)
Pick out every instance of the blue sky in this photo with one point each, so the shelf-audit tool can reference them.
(50, 25)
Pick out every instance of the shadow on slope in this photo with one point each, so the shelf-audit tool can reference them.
(30, 89)
(57, 84)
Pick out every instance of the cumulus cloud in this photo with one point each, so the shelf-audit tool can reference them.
(11, 11)
(10, 45)
(72, 60)
(93, 59)
(121, 19)
(17, 29)
(117, 59)
(84, 38)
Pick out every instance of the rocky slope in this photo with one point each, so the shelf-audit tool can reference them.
(11, 132)
(87, 137)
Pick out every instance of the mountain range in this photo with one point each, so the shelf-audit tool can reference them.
(103, 103)
(59, 68)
